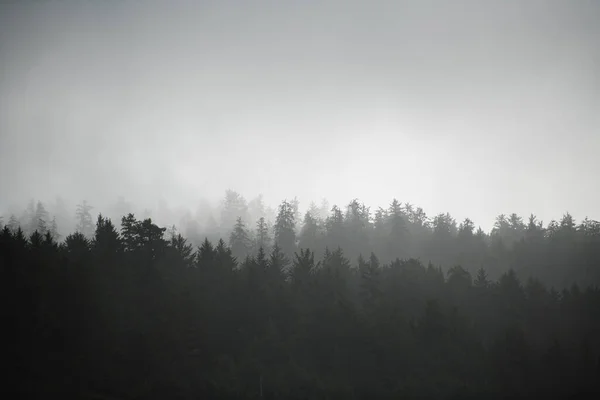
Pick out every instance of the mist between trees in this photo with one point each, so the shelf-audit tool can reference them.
(400, 230)
(244, 301)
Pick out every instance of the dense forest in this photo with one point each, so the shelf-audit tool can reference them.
(340, 302)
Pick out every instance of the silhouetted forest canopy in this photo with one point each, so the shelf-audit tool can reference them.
(245, 301)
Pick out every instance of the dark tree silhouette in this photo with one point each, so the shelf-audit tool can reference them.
(443, 311)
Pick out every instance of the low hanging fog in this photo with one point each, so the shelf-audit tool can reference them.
(475, 108)
(300, 199)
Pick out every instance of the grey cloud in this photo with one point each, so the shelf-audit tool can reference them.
(485, 100)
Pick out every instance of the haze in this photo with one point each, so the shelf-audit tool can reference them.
(472, 107)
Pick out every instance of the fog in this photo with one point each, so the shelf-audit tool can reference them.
(300, 199)
(472, 107)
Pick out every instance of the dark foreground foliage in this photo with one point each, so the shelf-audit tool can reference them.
(128, 314)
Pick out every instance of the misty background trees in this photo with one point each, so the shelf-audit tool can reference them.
(467, 106)
(400, 230)
(339, 303)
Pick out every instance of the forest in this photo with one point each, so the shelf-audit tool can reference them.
(248, 302)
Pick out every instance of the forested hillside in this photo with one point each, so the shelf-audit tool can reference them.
(559, 252)
(339, 303)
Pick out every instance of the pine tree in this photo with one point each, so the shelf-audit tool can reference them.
(398, 244)
(28, 222)
(357, 227)
(224, 257)
(285, 229)
(466, 228)
(106, 240)
(262, 238)
(206, 255)
(183, 250)
(36, 240)
(234, 206)
(369, 280)
(335, 274)
(129, 232)
(303, 268)
(295, 203)
(77, 247)
(50, 245)
(335, 230)
(278, 264)
(315, 211)
(151, 237)
(481, 280)
(309, 233)
(239, 240)
(40, 219)
(54, 229)
(13, 223)
(324, 209)
(20, 238)
(84, 219)
(143, 236)
(380, 217)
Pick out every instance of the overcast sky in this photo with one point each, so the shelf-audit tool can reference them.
(473, 107)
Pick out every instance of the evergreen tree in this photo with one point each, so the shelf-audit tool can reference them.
(357, 226)
(285, 229)
(309, 234)
(324, 209)
(315, 211)
(441, 245)
(303, 268)
(295, 204)
(369, 281)
(28, 221)
(239, 240)
(466, 229)
(206, 256)
(334, 228)
(129, 232)
(143, 236)
(262, 238)
(77, 247)
(40, 219)
(53, 230)
(481, 280)
(106, 239)
(398, 245)
(84, 219)
(234, 206)
(517, 227)
(224, 257)
(183, 250)
(13, 223)
(277, 265)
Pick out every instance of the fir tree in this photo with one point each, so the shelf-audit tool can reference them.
(85, 224)
(239, 240)
(285, 229)
(262, 237)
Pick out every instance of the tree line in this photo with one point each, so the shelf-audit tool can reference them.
(138, 312)
(559, 253)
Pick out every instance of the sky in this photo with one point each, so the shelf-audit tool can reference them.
(470, 107)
